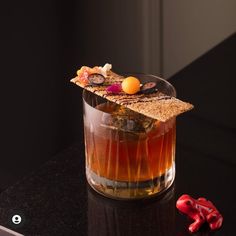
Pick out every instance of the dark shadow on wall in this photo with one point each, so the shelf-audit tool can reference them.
(41, 111)
(43, 43)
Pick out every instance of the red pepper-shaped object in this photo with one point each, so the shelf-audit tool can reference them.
(201, 211)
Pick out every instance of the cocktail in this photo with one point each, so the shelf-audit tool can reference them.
(129, 131)
(128, 155)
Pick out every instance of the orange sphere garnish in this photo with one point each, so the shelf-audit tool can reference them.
(130, 85)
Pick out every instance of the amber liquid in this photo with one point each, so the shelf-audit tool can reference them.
(130, 156)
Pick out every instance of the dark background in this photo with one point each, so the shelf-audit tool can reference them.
(40, 109)
(42, 44)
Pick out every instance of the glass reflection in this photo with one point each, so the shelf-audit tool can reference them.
(141, 217)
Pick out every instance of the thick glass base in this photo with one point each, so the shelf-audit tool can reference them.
(131, 190)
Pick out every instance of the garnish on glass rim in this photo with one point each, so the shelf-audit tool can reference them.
(85, 71)
(96, 79)
(130, 85)
(149, 87)
(114, 88)
(154, 105)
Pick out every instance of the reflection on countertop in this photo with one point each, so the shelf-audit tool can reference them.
(154, 216)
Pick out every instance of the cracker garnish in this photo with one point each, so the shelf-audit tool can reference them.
(155, 105)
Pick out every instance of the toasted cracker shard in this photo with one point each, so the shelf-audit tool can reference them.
(156, 105)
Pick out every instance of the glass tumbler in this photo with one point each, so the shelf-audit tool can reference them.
(128, 155)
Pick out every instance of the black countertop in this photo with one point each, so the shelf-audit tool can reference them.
(56, 200)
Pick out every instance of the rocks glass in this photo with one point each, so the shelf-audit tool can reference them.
(128, 155)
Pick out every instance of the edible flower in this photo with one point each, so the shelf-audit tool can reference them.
(114, 88)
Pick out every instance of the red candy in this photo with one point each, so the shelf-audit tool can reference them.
(201, 211)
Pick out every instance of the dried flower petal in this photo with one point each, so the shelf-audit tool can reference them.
(114, 88)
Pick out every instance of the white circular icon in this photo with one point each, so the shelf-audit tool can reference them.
(16, 219)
